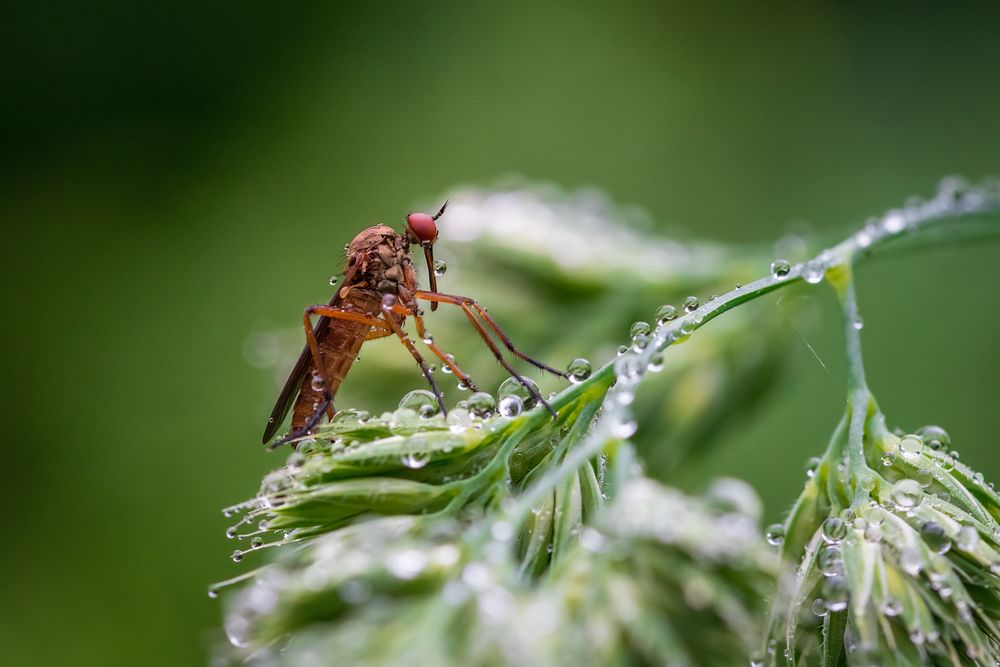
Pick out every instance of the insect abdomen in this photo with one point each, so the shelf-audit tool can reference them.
(339, 346)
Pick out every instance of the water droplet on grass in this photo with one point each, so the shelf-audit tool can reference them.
(690, 304)
(935, 437)
(639, 328)
(415, 460)
(968, 538)
(655, 363)
(911, 561)
(780, 268)
(910, 446)
(935, 537)
(835, 591)
(334, 280)
(775, 534)
(511, 387)
(440, 268)
(422, 402)
(665, 313)
(834, 530)
(906, 494)
(578, 369)
(510, 406)
(830, 560)
(819, 607)
(482, 405)
(811, 465)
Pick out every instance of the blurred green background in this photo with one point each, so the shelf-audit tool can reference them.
(178, 176)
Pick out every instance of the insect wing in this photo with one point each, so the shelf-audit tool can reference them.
(304, 364)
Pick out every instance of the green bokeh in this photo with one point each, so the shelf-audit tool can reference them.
(176, 177)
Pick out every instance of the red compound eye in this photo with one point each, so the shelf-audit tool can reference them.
(422, 226)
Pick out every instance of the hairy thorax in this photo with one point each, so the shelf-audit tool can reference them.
(379, 258)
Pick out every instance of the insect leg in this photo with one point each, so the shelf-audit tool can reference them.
(508, 343)
(388, 307)
(462, 302)
(334, 313)
(445, 359)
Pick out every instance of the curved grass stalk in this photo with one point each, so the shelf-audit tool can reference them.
(503, 478)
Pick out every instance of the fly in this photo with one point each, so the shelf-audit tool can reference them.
(379, 291)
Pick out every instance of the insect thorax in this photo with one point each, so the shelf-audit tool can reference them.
(381, 257)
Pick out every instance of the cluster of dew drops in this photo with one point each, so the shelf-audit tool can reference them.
(904, 496)
(512, 399)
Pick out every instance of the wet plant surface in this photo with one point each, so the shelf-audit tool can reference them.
(500, 535)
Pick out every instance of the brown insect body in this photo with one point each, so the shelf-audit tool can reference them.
(379, 293)
(378, 263)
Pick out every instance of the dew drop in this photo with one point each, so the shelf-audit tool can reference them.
(906, 494)
(213, 593)
(689, 325)
(834, 530)
(639, 328)
(445, 368)
(780, 268)
(511, 387)
(510, 406)
(440, 268)
(665, 313)
(655, 363)
(237, 556)
(910, 446)
(231, 532)
(640, 342)
(873, 515)
(690, 304)
(935, 537)
(415, 460)
(819, 607)
(316, 382)
(888, 458)
(968, 538)
(831, 560)
(775, 534)
(836, 591)
(814, 272)
(858, 324)
(811, 465)
(935, 437)
(579, 370)
(924, 477)
(911, 561)
(894, 222)
(482, 405)
(892, 607)
(256, 542)
(421, 401)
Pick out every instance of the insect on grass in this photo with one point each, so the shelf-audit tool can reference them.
(378, 293)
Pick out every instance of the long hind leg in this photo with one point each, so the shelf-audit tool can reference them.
(471, 308)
